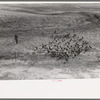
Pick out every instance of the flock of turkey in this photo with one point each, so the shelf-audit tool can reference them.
(64, 46)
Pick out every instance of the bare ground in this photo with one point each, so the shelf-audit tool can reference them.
(29, 26)
(84, 66)
(29, 66)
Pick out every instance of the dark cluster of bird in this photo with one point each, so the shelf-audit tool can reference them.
(66, 46)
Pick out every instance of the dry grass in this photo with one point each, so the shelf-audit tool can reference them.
(37, 29)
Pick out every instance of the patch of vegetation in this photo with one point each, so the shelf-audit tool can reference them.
(65, 46)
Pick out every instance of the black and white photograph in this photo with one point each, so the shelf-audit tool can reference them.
(42, 41)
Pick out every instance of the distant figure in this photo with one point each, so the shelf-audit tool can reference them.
(16, 39)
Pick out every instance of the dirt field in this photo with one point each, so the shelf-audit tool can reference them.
(34, 26)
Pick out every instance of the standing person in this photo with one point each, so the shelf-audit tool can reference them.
(16, 38)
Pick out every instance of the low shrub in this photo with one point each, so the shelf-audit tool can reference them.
(66, 46)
